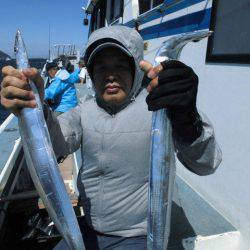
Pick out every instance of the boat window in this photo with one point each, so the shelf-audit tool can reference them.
(230, 23)
(157, 2)
(116, 10)
(146, 5)
(98, 16)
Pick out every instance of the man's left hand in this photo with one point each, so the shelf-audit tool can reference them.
(174, 86)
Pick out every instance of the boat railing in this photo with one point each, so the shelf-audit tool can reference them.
(6, 122)
(9, 150)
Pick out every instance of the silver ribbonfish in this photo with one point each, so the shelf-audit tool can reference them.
(162, 170)
(42, 163)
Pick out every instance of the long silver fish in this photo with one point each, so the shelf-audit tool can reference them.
(162, 171)
(42, 163)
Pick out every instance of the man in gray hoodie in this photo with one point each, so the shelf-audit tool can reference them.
(114, 130)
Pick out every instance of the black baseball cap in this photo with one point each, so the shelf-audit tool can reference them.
(51, 65)
(107, 45)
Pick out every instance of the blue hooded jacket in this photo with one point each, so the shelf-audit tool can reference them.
(61, 91)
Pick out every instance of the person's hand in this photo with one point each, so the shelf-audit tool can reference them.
(15, 90)
(174, 86)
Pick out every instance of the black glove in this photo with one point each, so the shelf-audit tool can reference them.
(177, 92)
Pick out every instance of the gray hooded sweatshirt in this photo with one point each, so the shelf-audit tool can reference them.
(113, 179)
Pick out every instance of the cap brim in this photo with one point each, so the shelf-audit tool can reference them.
(104, 46)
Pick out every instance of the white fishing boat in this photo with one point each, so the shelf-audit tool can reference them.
(209, 212)
(66, 50)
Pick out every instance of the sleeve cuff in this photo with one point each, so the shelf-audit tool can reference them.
(187, 127)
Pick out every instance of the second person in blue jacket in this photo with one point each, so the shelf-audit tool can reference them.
(61, 92)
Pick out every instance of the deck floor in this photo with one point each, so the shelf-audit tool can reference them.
(66, 170)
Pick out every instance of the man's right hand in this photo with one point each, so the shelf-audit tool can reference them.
(15, 90)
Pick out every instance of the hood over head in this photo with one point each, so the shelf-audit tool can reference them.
(129, 41)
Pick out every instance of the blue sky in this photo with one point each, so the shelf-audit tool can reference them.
(33, 18)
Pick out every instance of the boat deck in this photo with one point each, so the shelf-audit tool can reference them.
(192, 216)
(66, 170)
